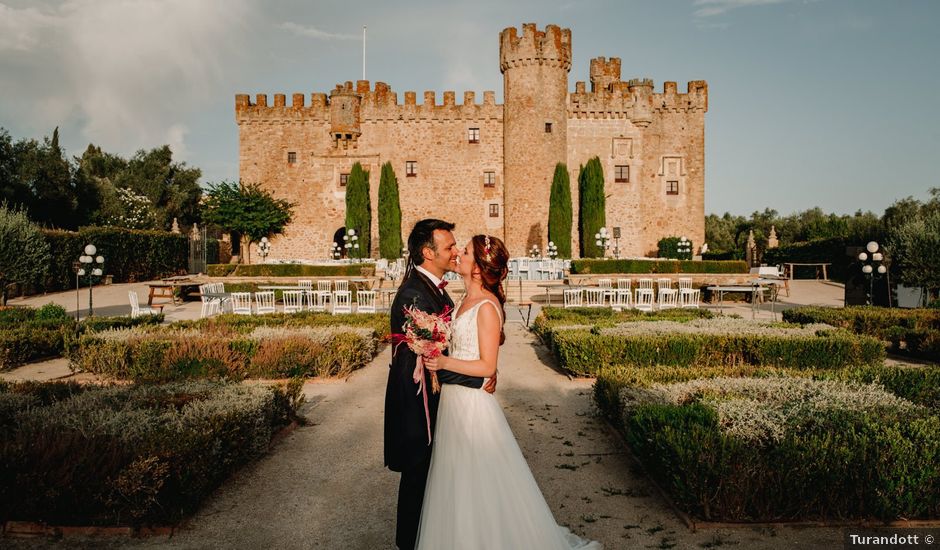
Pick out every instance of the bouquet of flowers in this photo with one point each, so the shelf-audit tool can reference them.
(426, 334)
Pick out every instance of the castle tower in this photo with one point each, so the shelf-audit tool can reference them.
(344, 115)
(604, 72)
(535, 88)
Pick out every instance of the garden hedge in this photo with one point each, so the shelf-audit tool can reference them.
(586, 266)
(378, 322)
(915, 332)
(291, 270)
(129, 455)
(741, 449)
(550, 318)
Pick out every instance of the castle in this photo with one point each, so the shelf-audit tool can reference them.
(487, 167)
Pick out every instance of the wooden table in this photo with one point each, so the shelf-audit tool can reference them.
(167, 289)
(754, 289)
(791, 265)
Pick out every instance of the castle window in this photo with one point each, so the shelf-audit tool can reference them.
(622, 174)
(672, 187)
(473, 135)
(343, 178)
(411, 168)
(494, 210)
(548, 127)
(291, 157)
(489, 179)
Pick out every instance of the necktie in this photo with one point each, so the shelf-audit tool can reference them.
(441, 285)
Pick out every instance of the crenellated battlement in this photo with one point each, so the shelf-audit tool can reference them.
(604, 73)
(635, 99)
(370, 102)
(550, 47)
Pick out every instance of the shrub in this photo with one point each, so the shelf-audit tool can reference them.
(378, 322)
(669, 248)
(291, 270)
(124, 455)
(359, 210)
(830, 250)
(24, 254)
(51, 312)
(559, 211)
(390, 243)
(551, 318)
(784, 449)
(592, 213)
(586, 266)
(711, 343)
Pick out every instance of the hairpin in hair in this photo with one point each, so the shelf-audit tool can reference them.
(486, 247)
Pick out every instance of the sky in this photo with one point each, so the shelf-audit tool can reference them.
(828, 103)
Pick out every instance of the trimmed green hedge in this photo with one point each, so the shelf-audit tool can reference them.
(915, 332)
(586, 266)
(550, 318)
(243, 324)
(291, 270)
(727, 455)
(129, 455)
(586, 352)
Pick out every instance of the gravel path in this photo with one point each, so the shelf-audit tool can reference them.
(323, 486)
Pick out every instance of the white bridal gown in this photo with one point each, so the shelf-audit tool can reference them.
(480, 492)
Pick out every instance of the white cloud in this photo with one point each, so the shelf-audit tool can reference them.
(313, 32)
(709, 8)
(129, 73)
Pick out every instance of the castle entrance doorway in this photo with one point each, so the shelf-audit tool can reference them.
(338, 251)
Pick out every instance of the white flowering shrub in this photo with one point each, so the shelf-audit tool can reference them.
(137, 211)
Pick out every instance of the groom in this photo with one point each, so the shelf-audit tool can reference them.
(432, 251)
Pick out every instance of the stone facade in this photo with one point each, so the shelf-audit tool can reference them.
(484, 166)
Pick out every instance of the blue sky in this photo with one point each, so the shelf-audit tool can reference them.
(828, 103)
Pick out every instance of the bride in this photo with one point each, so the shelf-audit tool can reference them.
(480, 491)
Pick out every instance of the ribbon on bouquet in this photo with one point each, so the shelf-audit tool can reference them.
(423, 390)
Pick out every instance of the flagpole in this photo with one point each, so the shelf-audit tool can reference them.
(363, 52)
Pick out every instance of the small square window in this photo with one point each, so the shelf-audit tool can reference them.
(548, 127)
(494, 210)
(622, 174)
(672, 187)
(473, 135)
(291, 157)
(489, 179)
(411, 168)
(343, 178)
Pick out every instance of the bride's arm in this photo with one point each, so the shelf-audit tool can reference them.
(489, 327)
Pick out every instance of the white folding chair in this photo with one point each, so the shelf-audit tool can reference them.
(305, 284)
(365, 301)
(668, 298)
(690, 298)
(264, 302)
(685, 283)
(342, 286)
(137, 311)
(644, 284)
(241, 303)
(594, 297)
(316, 301)
(294, 301)
(342, 302)
(210, 306)
(324, 292)
(573, 297)
(620, 299)
(644, 299)
(662, 283)
(607, 286)
(624, 284)
(523, 268)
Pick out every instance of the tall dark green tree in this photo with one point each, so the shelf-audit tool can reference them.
(359, 209)
(390, 243)
(44, 169)
(247, 210)
(172, 187)
(592, 214)
(560, 211)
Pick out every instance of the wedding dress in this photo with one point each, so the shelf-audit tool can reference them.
(480, 492)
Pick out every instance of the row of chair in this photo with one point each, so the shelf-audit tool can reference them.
(303, 300)
(642, 299)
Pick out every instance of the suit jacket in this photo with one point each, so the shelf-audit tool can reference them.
(406, 437)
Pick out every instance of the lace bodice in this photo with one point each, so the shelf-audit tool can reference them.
(464, 340)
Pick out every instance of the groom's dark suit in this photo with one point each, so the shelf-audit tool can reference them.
(406, 438)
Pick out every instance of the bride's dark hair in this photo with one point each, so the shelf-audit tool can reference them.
(492, 258)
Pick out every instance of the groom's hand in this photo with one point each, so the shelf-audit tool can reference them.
(490, 386)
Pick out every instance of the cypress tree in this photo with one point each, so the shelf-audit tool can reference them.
(592, 215)
(559, 211)
(389, 214)
(359, 209)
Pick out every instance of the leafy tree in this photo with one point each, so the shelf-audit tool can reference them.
(592, 212)
(24, 252)
(45, 171)
(359, 208)
(12, 189)
(172, 187)
(390, 243)
(913, 248)
(559, 211)
(247, 210)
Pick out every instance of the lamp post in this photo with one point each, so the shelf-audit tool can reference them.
(351, 243)
(552, 250)
(534, 253)
(88, 259)
(336, 252)
(602, 239)
(264, 248)
(684, 248)
(872, 265)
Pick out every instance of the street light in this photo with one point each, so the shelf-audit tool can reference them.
(872, 266)
(351, 243)
(552, 250)
(601, 239)
(684, 249)
(337, 251)
(264, 248)
(85, 263)
(534, 253)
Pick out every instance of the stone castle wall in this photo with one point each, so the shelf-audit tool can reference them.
(660, 136)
